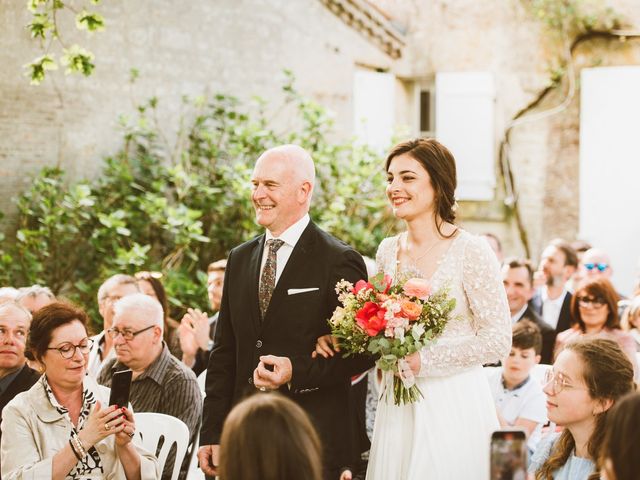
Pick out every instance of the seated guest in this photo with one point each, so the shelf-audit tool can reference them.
(631, 321)
(112, 290)
(15, 374)
(620, 457)
(519, 399)
(517, 278)
(150, 284)
(161, 383)
(588, 378)
(35, 297)
(596, 263)
(279, 436)
(63, 427)
(8, 294)
(197, 329)
(595, 313)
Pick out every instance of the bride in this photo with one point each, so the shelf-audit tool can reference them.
(446, 435)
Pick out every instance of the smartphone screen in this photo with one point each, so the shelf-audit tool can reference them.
(508, 455)
(120, 385)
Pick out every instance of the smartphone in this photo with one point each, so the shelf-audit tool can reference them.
(120, 386)
(508, 455)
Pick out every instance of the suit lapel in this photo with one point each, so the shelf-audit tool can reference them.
(254, 281)
(294, 266)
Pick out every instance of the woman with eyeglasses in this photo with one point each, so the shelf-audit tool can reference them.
(594, 312)
(150, 284)
(587, 379)
(63, 427)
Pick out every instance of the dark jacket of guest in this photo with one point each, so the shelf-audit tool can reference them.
(23, 382)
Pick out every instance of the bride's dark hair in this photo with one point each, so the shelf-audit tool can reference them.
(439, 163)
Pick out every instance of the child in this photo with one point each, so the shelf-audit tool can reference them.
(519, 398)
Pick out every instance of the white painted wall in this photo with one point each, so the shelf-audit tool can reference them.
(610, 167)
(465, 110)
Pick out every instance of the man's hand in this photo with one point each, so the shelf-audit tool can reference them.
(326, 346)
(198, 322)
(346, 475)
(188, 344)
(208, 458)
(265, 379)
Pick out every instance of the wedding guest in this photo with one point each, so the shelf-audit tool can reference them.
(595, 313)
(63, 427)
(150, 284)
(495, 244)
(631, 320)
(197, 329)
(112, 290)
(161, 383)
(580, 247)
(35, 297)
(279, 436)
(596, 263)
(620, 456)
(552, 301)
(588, 378)
(519, 398)
(15, 374)
(8, 294)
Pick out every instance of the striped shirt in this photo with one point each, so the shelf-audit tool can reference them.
(166, 386)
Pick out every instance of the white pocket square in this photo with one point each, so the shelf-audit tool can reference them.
(295, 291)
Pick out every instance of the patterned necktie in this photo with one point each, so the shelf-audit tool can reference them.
(268, 277)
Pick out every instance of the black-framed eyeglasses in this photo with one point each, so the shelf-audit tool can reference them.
(126, 334)
(68, 350)
(600, 266)
(591, 301)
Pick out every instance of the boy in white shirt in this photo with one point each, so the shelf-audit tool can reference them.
(519, 398)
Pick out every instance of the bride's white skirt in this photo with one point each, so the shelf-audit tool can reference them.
(444, 436)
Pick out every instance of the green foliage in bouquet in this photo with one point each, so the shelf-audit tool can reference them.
(176, 208)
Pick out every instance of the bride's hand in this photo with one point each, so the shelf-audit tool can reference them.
(414, 361)
(326, 346)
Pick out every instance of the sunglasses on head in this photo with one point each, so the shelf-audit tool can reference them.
(144, 275)
(600, 266)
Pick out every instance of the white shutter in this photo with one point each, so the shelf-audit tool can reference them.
(373, 106)
(465, 125)
(610, 167)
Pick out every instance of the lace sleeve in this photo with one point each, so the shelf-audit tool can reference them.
(490, 318)
(386, 256)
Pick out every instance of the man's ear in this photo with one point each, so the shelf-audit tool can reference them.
(305, 191)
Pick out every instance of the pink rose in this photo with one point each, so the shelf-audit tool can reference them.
(361, 285)
(417, 287)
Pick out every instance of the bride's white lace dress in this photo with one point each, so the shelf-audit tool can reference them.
(446, 435)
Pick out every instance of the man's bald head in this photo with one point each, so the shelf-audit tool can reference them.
(283, 181)
(596, 263)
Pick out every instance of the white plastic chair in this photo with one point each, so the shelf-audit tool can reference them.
(156, 427)
(202, 381)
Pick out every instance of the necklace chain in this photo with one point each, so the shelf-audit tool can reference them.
(417, 259)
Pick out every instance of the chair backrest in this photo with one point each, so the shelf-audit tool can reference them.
(159, 429)
(202, 380)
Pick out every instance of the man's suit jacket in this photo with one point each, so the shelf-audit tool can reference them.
(548, 334)
(291, 326)
(23, 382)
(564, 319)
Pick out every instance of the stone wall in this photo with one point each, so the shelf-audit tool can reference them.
(234, 46)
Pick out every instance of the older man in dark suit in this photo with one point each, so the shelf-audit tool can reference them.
(15, 374)
(517, 277)
(279, 291)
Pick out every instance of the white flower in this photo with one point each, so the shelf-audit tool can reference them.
(398, 333)
(417, 331)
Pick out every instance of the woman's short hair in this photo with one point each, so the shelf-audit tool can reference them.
(439, 163)
(630, 315)
(601, 290)
(621, 442)
(45, 321)
(277, 434)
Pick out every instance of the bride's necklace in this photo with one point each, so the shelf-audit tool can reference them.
(422, 255)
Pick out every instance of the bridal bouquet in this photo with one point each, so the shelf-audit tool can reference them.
(392, 321)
